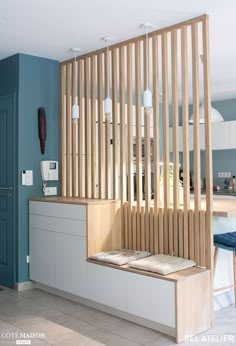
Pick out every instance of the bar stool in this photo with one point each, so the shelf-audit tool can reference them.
(226, 241)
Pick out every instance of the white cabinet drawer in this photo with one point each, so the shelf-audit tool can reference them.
(59, 225)
(151, 298)
(67, 211)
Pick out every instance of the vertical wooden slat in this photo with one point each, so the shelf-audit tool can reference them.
(156, 135)
(166, 231)
(181, 232)
(151, 247)
(175, 117)
(134, 230)
(156, 130)
(93, 127)
(81, 131)
(138, 137)
(208, 140)
(202, 238)
(166, 179)
(68, 132)
(161, 233)
(143, 244)
(125, 219)
(176, 232)
(130, 136)
(156, 231)
(171, 235)
(115, 126)
(175, 129)
(100, 127)
(122, 130)
(191, 215)
(107, 128)
(74, 132)
(185, 120)
(63, 133)
(147, 113)
(196, 136)
(108, 158)
(87, 131)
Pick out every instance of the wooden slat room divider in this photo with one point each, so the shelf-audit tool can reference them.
(135, 155)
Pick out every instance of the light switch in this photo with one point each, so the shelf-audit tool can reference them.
(27, 178)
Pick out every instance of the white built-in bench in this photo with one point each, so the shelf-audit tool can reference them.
(64, 231)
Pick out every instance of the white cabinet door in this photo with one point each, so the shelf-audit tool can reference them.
(221, 136)
(107, 286)
(42, 256)
(151, 298)
(70, 258)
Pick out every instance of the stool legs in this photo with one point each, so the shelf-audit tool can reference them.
(234, 266)
(215, 258)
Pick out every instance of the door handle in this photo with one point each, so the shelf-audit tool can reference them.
(5, 188)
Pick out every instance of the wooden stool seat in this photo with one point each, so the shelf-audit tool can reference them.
(226, 241)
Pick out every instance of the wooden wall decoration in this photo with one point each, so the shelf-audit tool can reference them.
(120, 158)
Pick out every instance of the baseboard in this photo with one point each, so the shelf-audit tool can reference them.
(23, 286)
(115, 312)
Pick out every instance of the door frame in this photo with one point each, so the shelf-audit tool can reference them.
(13, 98)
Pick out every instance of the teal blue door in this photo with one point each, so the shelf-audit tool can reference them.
(7, 190)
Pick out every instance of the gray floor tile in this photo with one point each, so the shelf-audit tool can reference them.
(95, 317)
(67, 323)
(133, 331)
(110, 339)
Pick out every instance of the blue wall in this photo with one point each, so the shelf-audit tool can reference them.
(38, 87)
(36, 84)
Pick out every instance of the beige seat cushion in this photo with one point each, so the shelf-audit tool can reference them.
(119, 257)
(162, 264)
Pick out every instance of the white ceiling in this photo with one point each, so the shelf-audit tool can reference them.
(49, 28)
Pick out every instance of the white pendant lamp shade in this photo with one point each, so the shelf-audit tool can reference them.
(108, 105)
(216, 117)
(75, 111)
(147, 98)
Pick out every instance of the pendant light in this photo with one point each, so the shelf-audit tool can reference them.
(147, 95)
(215, 116)
(75, 106)
(108, 100)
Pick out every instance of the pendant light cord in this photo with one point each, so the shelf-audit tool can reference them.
(108, 70)
(147, 58)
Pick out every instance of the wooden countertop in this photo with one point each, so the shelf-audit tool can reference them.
(74, 200)
(223, 207)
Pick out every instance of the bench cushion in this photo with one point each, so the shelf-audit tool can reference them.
(162, 264)
(119, 257)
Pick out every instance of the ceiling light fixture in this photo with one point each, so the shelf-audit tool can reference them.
(215, 116)
(108, 100)
(75, 107)
(147, 95)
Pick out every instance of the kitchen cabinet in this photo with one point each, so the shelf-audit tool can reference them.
(223, 136)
